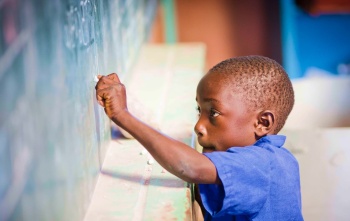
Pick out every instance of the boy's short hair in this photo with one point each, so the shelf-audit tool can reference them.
(263, 81)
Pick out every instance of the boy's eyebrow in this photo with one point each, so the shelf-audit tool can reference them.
(209, 100)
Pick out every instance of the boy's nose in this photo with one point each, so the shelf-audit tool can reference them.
(199, 129)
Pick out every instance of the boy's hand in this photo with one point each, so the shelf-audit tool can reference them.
(110, 94)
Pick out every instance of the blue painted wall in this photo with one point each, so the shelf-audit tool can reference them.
(53, 136)
(313, 41)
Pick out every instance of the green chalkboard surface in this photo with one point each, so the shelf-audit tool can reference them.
(53, 137)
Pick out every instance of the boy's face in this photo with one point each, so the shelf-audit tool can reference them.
(224, 120)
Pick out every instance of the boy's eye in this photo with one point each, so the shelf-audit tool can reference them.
(213, 113)
(198, 109)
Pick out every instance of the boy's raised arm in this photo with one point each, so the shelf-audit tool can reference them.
(176, 157)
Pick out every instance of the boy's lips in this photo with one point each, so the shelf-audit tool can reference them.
(208, 149)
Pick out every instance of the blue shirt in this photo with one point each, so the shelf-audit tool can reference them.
(259, 182)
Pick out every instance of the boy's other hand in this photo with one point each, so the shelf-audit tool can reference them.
(110, 94)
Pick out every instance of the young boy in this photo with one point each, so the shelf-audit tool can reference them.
(244, 172)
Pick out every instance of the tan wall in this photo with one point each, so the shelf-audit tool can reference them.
(228, 27)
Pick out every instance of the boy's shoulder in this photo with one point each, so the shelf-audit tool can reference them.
(266, 152)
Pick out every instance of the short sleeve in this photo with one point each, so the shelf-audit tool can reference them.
(245, 176)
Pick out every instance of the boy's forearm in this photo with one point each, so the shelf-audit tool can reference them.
(176, 157)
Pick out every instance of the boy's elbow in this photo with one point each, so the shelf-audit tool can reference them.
(198, 175)
(191, 177)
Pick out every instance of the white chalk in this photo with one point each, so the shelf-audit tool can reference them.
(95, 79)
(150, 161)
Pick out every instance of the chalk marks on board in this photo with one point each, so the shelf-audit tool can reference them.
(79, 25)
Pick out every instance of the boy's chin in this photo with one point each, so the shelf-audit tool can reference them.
(208, 149)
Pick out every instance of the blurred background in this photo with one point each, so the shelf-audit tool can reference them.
(53, 138)
(228, 28)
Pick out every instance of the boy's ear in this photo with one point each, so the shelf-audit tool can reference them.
(264, 123)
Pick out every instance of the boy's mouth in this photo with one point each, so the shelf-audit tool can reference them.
(208, 149)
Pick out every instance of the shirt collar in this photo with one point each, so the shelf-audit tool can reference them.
(275, 140)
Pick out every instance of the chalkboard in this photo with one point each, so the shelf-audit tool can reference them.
(53, 136)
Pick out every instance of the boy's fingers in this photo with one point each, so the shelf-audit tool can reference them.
(104, 86)
(104, 93)
(114, 77)
(101, 94)
(100, 100)
(107, 80)
(101, 103)
(104, 82)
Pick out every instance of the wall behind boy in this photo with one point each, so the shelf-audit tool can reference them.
(231, 27)
(52, 135)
